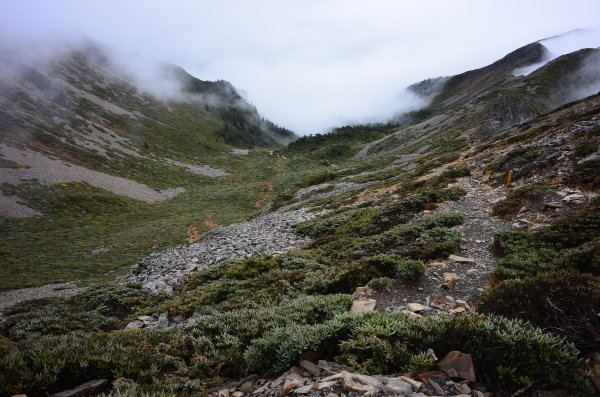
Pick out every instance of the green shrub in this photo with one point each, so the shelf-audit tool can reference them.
(280, 348)
(402, 211)
(584, 258)
(524, 263)
(182, 361)
(565, 303)
(410, 270)
(345, 221)
(318, 178)
(516, 199)
(570, 243)
(97, 308)
(380, 283)
(428, 237)
(509, 354)
(384, 263)
(397, 266)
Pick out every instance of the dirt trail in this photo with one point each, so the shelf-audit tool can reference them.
(477, 237)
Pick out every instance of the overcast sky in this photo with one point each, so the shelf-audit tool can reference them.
(308, 65)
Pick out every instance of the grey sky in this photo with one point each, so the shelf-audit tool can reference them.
(312, 64)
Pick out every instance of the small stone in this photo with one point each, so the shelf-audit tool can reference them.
(223, 393)
(415, 307)
(290, 385)
(247, 387)
(471, 272)
(326, 385)
(362, 290)
(363, 306)
(135, 324)
(450, 280)
(415, 384)
(238, 393)
(461, 259)
(305, 389)
(411, 314)
(458, 365)
(458, 310)
(311, 367)
(574, 198)
(465, 389)
(438, 389)
(178, 319)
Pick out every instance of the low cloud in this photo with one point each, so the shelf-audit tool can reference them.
(307, 65)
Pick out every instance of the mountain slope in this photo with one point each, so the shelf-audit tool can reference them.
(485, 101)
(115, 169)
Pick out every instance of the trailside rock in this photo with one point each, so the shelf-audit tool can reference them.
(458, 365)
(371, 385)
(450, 280)
(311, 367)
(461, 259)
(363, 306)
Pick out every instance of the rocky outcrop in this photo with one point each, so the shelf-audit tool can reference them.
(327, 379)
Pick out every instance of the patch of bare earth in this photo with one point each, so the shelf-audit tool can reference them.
(48, 171)
(12, 297)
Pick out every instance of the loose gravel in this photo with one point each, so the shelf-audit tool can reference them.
(267, 234)
(10, 298)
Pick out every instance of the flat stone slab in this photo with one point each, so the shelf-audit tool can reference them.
(461, 259)
(363, 306)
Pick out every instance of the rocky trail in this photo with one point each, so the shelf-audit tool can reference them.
(449, 285)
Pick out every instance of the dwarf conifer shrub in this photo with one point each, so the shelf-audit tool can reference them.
(429, 237)
(516, 199)
(507, 353)
(409, 270)
(564, 303)
(380, 283)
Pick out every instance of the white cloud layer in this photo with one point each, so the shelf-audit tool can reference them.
(313, 64)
